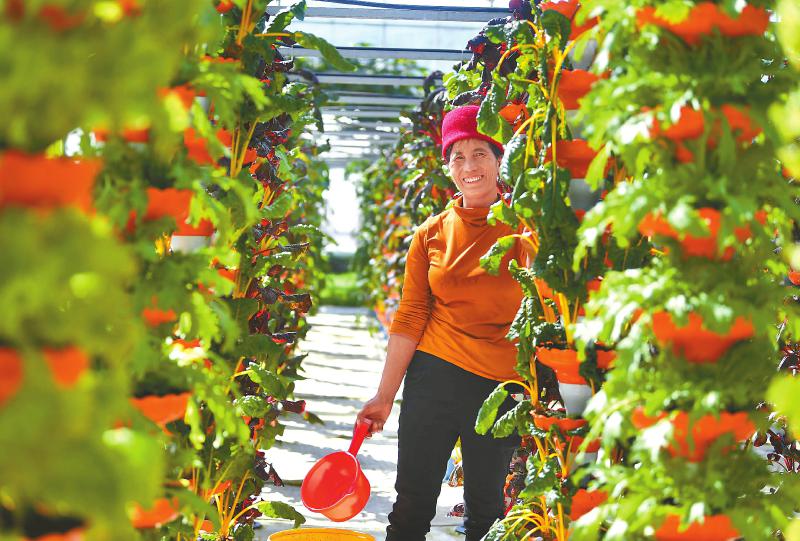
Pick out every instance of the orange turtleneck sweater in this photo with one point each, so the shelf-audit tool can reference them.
(455, 309)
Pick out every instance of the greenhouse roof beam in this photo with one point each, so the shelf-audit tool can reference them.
(394, 125)
(364, 79)
(383, 52)
(451, 14)
(358, 113)
(351, 133)
(376, 99)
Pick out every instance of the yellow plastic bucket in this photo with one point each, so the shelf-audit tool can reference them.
(320, 534)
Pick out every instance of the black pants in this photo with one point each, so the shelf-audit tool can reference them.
(440, 403)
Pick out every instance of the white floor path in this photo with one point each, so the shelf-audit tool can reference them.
(343, 368)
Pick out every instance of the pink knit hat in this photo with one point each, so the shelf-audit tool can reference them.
(462, 123)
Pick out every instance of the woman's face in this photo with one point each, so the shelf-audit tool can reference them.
(474, 169)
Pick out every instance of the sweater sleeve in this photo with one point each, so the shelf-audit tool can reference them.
(415, 302)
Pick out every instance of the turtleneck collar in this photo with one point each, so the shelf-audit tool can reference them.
(471, 216)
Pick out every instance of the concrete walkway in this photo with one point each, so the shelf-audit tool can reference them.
(343, 368)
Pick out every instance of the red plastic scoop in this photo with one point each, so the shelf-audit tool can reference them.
(335, 486)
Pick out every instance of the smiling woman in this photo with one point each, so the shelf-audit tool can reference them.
(448, 341)
(473, 158)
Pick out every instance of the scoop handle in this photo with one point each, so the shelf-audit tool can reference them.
(359, 433)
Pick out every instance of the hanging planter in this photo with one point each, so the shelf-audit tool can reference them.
(184, 93)
(693, 341)
(33, 180)
(163, 409)
(544, 422)
(11, 374)
(654, 225)
(129, 135)
(585, 500)
(574, 155)
(67, 364)
(704, 18)
(197, 147)
(713, 528)
(690, 125)
(704, 431)
(161, 203)
(514, 114)
(566, 365)
(794, 277)
(573, 85)
(164, 510)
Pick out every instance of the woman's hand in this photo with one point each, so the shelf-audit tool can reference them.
(376, 410)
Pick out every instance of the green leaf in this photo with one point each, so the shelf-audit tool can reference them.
(785, 394)
(281, 510)
(492, 260)
(285, 17)
(252, 406)
(596, 172)
(556, 25)
(488, 411)
(270, 383)
(280, 207)
(329, 52)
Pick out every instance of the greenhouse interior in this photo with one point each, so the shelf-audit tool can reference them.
(358, 270)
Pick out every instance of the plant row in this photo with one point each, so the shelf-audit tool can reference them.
(160, 210)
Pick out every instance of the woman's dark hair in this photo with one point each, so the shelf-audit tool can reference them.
(496, 151)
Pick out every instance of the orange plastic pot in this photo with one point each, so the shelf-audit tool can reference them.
(130, 135)
(566, 365)
(698, 23)
(693, 341)
(162, 409)
(574, 155)
(67, 364)
(573, 85)
(11, 374)
(184, 93)
(203, 229)
(573, 444)
(713, 528)
(752, 21)
(654, 224)
(336, 486)
(689, 125)
(794, 277)
(197, 147)
(35, 181)
(72, 535)
(569, 8)
(543, 422)
(164, 510)
(168, 202)
(584, 501)
(514, 113)
(692, 442)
